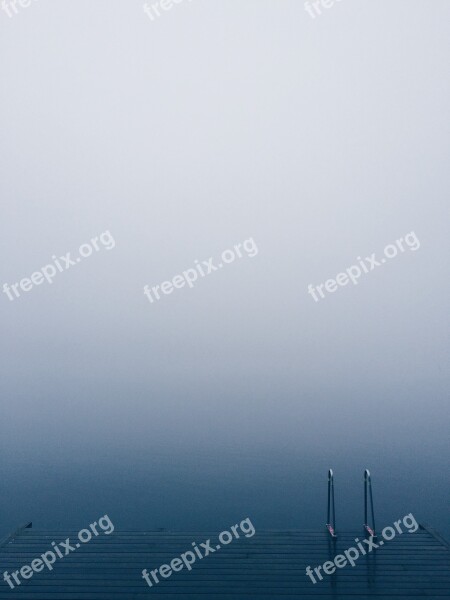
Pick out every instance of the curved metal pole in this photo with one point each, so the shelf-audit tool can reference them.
(331, 526)
(368, 495)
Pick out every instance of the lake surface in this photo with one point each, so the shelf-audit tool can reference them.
(213, 484)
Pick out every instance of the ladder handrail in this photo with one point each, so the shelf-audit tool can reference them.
(331, 526)
(368, 488)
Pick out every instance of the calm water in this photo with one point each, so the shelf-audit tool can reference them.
(213, 486)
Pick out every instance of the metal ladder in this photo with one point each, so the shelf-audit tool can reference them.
(368, 488)
(331, 514)
(331, 526)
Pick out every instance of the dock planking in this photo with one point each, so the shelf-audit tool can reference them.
(270, 565)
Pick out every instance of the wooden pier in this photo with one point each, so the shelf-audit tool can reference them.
(269, 566)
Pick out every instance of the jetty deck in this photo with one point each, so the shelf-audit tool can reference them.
(270, 565)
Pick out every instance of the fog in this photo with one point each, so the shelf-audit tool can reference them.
(322, 140)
